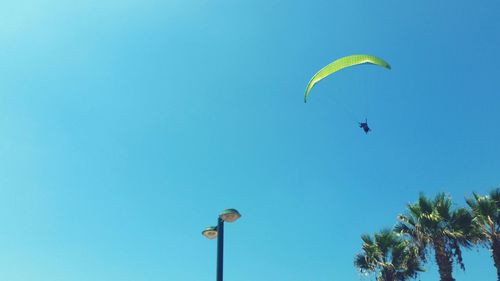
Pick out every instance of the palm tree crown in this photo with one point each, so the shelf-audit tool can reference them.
(389, 256)
(432, 224)
(486, 212)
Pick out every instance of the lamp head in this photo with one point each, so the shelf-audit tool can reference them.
(230, 215)
(210, 232)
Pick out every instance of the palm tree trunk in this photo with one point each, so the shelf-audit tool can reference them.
(495, 247)
(388, 275)
(443, 260)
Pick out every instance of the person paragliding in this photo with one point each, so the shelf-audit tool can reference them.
(339, 64)
(364, 126)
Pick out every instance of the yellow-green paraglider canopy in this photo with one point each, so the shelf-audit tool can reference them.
(341, 64)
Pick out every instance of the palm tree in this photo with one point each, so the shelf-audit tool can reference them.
(389, 256)
(432, 225)
(486, 212)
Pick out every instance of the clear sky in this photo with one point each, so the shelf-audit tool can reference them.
(126, 126)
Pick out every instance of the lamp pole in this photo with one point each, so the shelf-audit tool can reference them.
(220, 248)
(212, 232)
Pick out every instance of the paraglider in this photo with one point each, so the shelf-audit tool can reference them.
(364, 126)
(341, 64)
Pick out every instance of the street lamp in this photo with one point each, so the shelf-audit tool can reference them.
(212, 232)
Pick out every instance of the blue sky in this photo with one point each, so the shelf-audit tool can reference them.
(127, 126)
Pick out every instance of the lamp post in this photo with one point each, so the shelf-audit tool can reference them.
(212, 232)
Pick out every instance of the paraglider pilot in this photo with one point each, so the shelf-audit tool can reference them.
(364, 126)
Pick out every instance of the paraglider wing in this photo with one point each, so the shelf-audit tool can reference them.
(341, 64)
